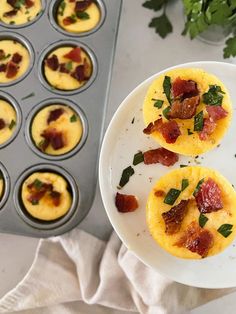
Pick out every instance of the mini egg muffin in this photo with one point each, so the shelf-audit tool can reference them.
(67, 68)
(14, 60)
(56, 129)
(17, 12)
(7, 121)
(1, 185)
(78, 16)
(45, 196)
(187, 111)
(191, 212)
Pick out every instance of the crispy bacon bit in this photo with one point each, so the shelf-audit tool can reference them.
(78, 74)
(208, 197)
(12, 69)
(2, 124)
(54, 138)
(81, 6)
(54, 115)
(56, 197)
(52, 62)
(12, 3)
(10, 13)
(159, 193)
(174, 217)
(185, 109)
(216, 112)
(153, 127)
(68, 21)
(29, 4)
(63, 69)
(36, 194)
(184, 88)
(160, 155)
(196, 239)
(16, 58)
(74, 55)
(3, 67)
(126, 203)
(208, 128)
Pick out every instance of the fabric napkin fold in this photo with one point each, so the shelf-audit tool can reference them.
(78, 267)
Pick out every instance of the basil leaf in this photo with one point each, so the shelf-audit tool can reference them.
(83, 15)
(158, 103)
(62, 8)
(73, 118)
(34, 202)
(202, 220)
(167, 88)
(172, 196)
(166, 111)
(214, 96)
(38, 184)
(138, 158)
(12, 124)
(184, 184)
(225, 230)
(126, 174)
(198, 121)
(198, 187)
(69, 65)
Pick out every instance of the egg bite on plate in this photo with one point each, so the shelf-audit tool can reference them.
(187, 111)
(191, 212)
(7, 121)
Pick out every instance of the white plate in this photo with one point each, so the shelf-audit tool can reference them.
(122, 140)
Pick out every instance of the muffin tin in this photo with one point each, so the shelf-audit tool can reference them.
(31, 92)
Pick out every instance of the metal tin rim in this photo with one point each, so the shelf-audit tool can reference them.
(52, 12)
(46, 103)
(22, 40)
(12, 101)
(66, 43)
(6, 185)
(38, 224)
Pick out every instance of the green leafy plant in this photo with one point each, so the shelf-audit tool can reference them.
(200, 14)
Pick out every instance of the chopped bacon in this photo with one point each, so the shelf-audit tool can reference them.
(159, 193)
(63, 68)
(208, 128)
(153, 126)
(54, 138)
(16, 58)
(12, 69)
(78, 74)
(160, 155)
(174, 217)
(74, 55)
(208, 197)
(185, 109)
(54, 115)
(56, 197)
(3, 67)
(196, 239)
(184, 88)
(68, 20)
(2, 124)
(10, 13)
(126, 203)
(29, 4)
(216, 112)
(12, 3)
(81, 6)
(71, 0)
(36, 194)
(52, 62)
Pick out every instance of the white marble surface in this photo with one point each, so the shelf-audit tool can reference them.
(140, 53)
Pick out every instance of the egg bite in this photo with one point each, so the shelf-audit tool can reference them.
(17, 12)
(191, 212)
(56, 129)
(1, 185)
(7, 121)
(78, 16)
(187, 111)
(68, 68)
(45, 196)
(14, 60)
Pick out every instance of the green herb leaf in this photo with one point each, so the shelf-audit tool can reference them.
(73, 18)
(73, 118)
(166, 111)
(83, 15)
(12, 23)
(184, 184)
(69, 65)
(219, 10)
(182, 166)
(198, 121)
(126, 174)
(225, 230)
(167, 88)
(230, 48)
(190, 132)
(158, 103)
(198, 187)
(5, 57)
(62, 8)
(138, 158)
(12, 124)
(34, 202)
(202, 220)
(172, 196)
(28, 96)
(162, 25)
(38, 184)
(214, 96)
(155, 5)
(19, 3)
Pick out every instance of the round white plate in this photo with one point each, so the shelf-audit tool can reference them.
(122, 140)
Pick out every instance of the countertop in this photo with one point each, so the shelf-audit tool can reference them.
(139, 54)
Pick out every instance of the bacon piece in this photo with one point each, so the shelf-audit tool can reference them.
(153, 127)
(174, 217)
(10, 13)
(196, 239)
(36, 194)
(12, 69)
(216, 112)
(159, 193)
(54, 115)
(185, 109)
(208, 197)
(54, 138)
(56, 198)
(81, 6)
(126, 203)
(184, 88)
(2, 124)
(63, 69)
(160, 155)
(170, 131)
(3, 67)
(52, 62)
(74, 55)
(78, 74)
(68, 20)
(16, 58)
(208, 128)
(12, 3)
(29, 4)
(71, 0)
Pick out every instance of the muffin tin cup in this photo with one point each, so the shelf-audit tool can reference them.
(22, 40)
(46, 103)
(66, 43)
(41, 224)
(15, 105)
(53, 8)
(6, 187)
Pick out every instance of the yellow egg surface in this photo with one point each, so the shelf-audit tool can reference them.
(156, 206)
(83, 22)
(64, 81)
(45, 209)
(8, 115)
(9, 48)
(187, 144)
(69, 124)
(21, 14)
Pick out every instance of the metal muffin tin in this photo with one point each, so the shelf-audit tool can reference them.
(19, 158)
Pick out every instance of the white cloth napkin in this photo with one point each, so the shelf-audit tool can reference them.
(78, 267)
